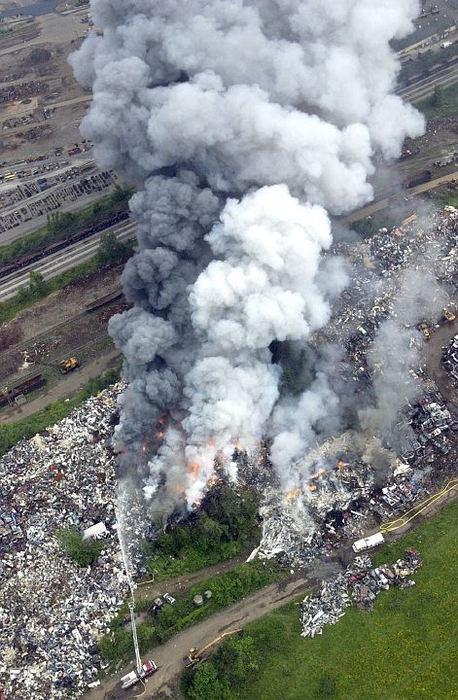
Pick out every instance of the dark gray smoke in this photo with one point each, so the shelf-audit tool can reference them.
(241, 122)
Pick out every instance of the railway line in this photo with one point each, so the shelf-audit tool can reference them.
(68, 256)
(420, 89)
(63, 260)
(375, 207)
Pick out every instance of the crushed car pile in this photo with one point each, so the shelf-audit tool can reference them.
(360, 584)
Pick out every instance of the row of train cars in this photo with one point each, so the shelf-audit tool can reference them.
(67, 240)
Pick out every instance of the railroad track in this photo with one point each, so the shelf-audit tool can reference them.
(444, 77)
(63, 260)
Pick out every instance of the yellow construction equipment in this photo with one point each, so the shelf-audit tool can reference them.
(196, 656)
(448, 316)
(68, 365)
(423, 327)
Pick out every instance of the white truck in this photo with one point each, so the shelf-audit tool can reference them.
(147, 669)
(368, 542)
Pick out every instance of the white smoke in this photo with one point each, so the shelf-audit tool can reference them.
(239, 120)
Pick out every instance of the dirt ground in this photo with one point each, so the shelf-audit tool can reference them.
(57, 328)
(442, 336)
(68, 385)
(43, 58)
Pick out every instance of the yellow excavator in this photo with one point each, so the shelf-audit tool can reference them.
(196, 656)
(68, 365)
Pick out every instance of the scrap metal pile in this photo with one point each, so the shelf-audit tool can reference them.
(426, 244)
(345, 502)
(450, 359)
(51, 610)
(345, 494)
(360, 583)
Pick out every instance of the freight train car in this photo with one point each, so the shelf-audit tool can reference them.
(24, 387)
(30, 258)
(418, 179)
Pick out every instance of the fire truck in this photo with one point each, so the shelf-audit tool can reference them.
(146, 669)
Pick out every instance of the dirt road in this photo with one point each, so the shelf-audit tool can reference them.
(383, 203)
(440, 337)
(169, 656)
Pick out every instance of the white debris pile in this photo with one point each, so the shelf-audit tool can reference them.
(360, 583)
(52, 611)
(325, 607)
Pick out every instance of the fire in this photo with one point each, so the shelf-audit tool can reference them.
(312, 487)
(340, 464)
(144, 448)
(194, 470)
(160, 433)
(291, 495)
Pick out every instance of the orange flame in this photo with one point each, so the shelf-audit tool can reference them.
(194, 470)
(291, 495)
(340, 464)
(312, 487)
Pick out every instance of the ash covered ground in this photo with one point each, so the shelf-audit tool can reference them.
(384, 460)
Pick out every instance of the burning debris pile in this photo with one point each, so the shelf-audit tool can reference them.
(360, 583)
(346, 500)
(51, 610)
(239, 155)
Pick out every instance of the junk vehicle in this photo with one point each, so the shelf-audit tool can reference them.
(418, 179)
(147, 669)
(368, 542)
(196, 656)
(448, 316)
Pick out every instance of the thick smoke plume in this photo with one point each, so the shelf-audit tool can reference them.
(242, 123)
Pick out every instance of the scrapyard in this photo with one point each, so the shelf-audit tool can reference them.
(52, 611)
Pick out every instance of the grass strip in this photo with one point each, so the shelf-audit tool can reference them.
(226, 589)
(405, 648)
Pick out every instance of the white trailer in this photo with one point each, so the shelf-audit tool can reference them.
(368, 542)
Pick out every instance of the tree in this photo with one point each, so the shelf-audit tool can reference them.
(437, 97)
(37, 284)
(237, 661)
(83, 552)
(110, 249)
(206, 684)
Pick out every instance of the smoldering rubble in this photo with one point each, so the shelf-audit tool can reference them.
(52, 612)
(243, 125)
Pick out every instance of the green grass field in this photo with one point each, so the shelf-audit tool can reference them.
(406, 649)
(447, 107)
